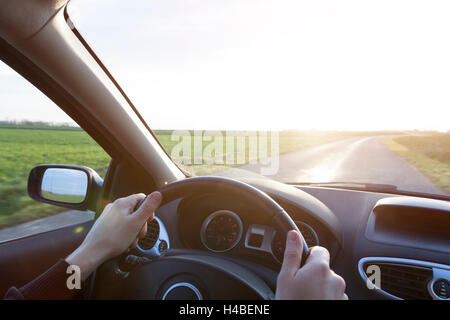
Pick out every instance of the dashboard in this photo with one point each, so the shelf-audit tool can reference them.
(223, 229)
(407, 238)
(216, 223)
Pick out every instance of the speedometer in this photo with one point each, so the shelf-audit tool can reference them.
(221, 231)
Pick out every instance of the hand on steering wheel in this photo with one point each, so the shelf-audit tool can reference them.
(315, 280)
(118, 228)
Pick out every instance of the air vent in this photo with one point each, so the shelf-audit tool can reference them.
(402, 280)
(151, 236)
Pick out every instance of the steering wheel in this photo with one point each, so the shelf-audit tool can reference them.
(195, 274)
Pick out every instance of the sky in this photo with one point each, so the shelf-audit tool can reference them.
(266, 64)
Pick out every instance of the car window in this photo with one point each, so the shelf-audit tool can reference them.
(33, 131)
(351, 93)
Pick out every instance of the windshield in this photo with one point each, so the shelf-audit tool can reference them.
(296, 91)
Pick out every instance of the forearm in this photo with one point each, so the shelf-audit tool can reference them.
(87, 258)
(51, 284)
(61, 281)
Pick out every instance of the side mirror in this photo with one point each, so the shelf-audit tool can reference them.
(68, 186)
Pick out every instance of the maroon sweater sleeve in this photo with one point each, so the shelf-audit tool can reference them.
(51, 285)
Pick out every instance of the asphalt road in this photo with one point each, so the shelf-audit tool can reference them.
(364, 160)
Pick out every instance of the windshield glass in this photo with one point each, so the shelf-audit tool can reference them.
(296, 91)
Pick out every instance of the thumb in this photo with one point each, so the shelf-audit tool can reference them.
(292, 253)
(148, 206)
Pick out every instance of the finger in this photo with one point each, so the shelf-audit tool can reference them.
(292, 253)
(130, 202)
(143, 231)
(338, 284)
(148, 207)
(134, 244)
(318, 255)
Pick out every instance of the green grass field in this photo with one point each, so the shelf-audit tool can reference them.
(67, 198)
(429, 153)
(23, 147)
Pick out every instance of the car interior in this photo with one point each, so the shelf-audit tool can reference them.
(405, 236)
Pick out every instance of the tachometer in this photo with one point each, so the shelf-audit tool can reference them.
(221, 231)
(278, 242)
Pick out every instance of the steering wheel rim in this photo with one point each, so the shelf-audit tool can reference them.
(194, 264)
(212, 184)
